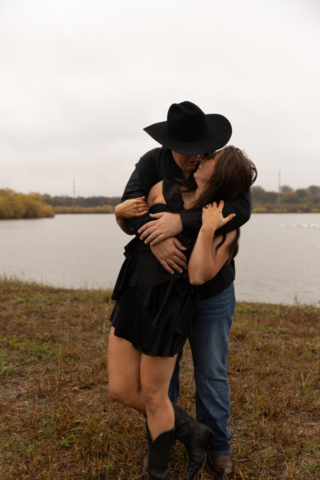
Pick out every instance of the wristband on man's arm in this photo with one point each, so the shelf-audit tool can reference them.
(137, 222)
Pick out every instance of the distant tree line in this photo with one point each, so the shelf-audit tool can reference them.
(288, 200)
(288, 195)
(303, 197)
(19, 205)
(34, 205)
(15, 205)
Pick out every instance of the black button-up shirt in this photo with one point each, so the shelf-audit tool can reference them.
(153, 167)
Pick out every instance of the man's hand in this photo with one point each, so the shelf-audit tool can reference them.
(169, 254)
(165, 226)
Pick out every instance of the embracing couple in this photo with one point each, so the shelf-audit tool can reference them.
(185, 203)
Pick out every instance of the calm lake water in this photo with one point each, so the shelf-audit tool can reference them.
(279, 258)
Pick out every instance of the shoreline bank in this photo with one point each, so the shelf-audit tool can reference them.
(21, 280)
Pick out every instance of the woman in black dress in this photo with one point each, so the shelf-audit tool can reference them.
(155, 310)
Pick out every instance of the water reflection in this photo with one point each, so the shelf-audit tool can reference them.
(278, 261)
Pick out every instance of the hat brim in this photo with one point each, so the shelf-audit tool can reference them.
(219, 134)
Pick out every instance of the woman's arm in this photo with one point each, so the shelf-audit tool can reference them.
(205, 262)
(135, 207)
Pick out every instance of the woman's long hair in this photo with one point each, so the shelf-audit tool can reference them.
(234, 173)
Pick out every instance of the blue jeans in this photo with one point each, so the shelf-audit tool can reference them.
(209, 346)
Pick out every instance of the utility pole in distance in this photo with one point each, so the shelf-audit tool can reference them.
(74, 191)
(279, 186)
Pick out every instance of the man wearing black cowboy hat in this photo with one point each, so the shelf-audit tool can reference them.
(186, 135)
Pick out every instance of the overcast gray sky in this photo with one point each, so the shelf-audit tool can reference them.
(81, 79)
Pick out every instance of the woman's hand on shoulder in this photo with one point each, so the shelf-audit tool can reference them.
(212, 218)
(134, 207)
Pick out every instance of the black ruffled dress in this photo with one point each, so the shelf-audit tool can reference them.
(155, 310)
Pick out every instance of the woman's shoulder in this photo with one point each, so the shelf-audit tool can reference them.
(168, 192)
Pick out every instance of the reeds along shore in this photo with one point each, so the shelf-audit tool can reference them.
(79, 209)
(17, 205)
(59, 422)
(286, 208)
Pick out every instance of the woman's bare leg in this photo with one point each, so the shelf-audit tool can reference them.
(141, 382)
(155, 375)
(124, 372)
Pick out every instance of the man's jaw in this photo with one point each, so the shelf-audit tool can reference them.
(191, 167)
(196, 166)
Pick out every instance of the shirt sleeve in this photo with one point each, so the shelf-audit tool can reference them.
(140, 183)
(241, 206)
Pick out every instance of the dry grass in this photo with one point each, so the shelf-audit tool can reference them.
(58, 421)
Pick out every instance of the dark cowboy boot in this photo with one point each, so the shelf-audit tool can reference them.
(196, 437)
(159, 455)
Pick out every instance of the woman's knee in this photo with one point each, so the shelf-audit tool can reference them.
(120, 393)
(153, 396)
(115, 391)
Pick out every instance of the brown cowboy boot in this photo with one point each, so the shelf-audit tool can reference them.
(221, 465)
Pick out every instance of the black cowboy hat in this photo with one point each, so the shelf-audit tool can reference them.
(189, 131)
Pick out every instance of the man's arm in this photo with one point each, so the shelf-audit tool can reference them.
(241, 206)
(160, 228)
(142, 179)
(140, 183)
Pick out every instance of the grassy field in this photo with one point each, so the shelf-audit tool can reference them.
(58, 421)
